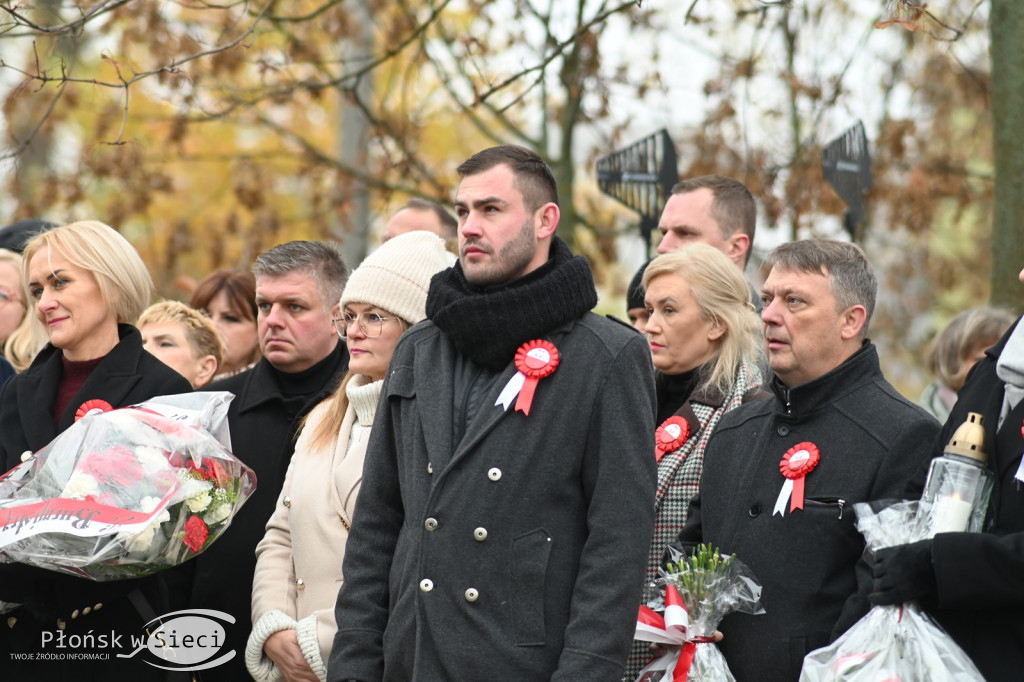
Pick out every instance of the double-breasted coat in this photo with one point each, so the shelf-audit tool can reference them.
(518, 552)
(980, 576)
(126, 376)
(871, 441)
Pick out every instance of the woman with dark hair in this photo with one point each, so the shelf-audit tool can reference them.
(87, 285)
(229, 298)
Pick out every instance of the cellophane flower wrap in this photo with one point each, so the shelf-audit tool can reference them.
(689, 600)
(126, 492)
(891, 643)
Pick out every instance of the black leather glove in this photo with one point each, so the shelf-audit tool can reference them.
(903, 573)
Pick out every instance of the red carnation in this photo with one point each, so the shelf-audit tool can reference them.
(195, 533)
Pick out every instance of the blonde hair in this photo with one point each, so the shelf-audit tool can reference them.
(123, 279)
(202, 335)
(723, 296)
(29, 337)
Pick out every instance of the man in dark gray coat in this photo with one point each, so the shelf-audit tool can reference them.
(508, 492)
(781, 475)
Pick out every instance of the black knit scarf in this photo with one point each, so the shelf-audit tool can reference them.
(488, 324)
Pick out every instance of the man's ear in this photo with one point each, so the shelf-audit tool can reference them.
(335, 314)
(546, 220)
(737, 246)
(854, 319)
(207, 368)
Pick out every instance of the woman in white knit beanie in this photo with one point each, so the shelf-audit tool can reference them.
(298, 567)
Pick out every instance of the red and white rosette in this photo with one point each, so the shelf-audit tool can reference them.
(94, 406)
(798, 461)
(670, 436)
(671, 629)
(535, 360)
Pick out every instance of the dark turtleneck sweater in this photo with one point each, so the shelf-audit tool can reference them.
(674, 390)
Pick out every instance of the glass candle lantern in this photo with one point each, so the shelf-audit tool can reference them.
(959, 482)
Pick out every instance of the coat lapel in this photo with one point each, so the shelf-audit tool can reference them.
(36, 412)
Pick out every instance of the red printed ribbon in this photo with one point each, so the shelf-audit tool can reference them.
(670, 436)
(535, 359)
(799, 461)
(91, 407)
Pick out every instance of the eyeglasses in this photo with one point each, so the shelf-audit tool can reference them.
(6, 297)
(371, 324)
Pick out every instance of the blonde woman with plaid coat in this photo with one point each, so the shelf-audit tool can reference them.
(706, 345)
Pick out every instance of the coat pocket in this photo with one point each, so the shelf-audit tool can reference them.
(530, 552)
(400, 383)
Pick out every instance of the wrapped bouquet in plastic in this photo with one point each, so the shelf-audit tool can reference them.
(127, 492)
(891, 643)
(693, 596)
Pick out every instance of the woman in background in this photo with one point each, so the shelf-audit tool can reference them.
(708, 356)
(298, 566)
(229, 298)
(87, 285)
(955, 350)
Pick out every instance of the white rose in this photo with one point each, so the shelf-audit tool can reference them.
(151, 458)
(217, 514)
(200, 502)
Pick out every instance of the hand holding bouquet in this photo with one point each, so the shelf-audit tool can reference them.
(891, 643)
(128, 492)
(693, 595)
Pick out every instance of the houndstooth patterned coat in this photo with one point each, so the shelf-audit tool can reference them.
(679, 476)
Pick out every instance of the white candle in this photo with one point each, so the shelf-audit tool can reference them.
(950, 515)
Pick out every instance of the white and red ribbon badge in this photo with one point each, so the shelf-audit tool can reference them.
(798, 461)
(670, 436)
(94, 406)
(535, 360)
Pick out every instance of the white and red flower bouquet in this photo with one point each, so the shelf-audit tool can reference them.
(127, 492)
(692, 597)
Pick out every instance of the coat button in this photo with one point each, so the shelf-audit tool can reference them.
(426, 585)
(754, 510)
(783, 429)
(300, 584)
(430, 468)
(494, 473)
(287, 501)
(430, 523)
(480, 534)
(472, 595)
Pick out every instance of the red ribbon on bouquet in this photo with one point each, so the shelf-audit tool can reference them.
(670, 629)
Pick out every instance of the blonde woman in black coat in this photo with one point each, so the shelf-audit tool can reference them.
(87, 285)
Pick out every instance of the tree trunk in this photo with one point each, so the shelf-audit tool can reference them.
(1006, 25)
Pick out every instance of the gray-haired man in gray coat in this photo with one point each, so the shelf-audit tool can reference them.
(508, 494)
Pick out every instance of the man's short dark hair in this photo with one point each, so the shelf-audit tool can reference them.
(732, 207)
(323, 261)
(533, 177)
(850, 277)
(449, 225)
